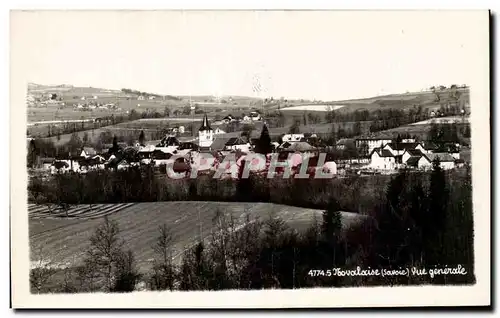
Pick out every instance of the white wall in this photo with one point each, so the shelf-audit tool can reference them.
(424, 163)
(378, 162)
(206, 138)
(447, 165)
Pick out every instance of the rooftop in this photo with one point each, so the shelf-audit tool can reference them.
(403, 145)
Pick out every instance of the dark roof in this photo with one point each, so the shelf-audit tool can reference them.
(235, 141)
(158, 154)
(169, 141)
(47, 160)
(413, 161)
(430, 145)
(382, 153)
(205, 125)
(403, 145)
(414, 152)
(344, 141)
(374, 138)
(188, 145)
(443, 157)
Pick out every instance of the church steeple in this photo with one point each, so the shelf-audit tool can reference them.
(205, 125)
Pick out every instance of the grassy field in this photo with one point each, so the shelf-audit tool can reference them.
(422, 129)
(64, 240)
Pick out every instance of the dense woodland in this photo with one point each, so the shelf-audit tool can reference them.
(420, 220)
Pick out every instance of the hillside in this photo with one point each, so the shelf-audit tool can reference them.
(64, 240)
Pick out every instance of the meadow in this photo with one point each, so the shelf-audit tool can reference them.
(62, 239)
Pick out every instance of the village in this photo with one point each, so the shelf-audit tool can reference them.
(211, 151)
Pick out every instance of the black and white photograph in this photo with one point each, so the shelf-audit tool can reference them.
(232, 156)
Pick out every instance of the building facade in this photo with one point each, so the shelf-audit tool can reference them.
(205, 134)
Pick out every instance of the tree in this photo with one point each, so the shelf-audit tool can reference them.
(74, 143)
(32, 154)
(163, 269)
(247, 130)
(435, 220)
(142, 138)
(127, 275)
(114, 149)
(166, 112)
(332, 224)
(295, 128)
(85, 139)
(41, 272)
(130, 140)
(356, 130)
(186, 110)
(105, 252)
(437, 97)
(363, 149)
(264, 142)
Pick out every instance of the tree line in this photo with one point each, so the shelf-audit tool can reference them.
(422, 221)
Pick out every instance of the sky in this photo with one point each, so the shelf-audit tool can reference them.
(323, 55)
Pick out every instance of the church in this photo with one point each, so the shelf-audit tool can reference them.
(205, 135)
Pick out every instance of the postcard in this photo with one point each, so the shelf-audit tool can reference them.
(250, 159)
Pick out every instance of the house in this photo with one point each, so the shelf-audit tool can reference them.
(301, 146)
(292, 137)
(59, 166)
(151, 97)
(429, 147)
(255, 116)
(99, 158)
(419, 162)
(285, 145)
(382, 159)
(219, 131)
(372, 143)
(446, 161)
(343, 143)
(140, 98)
(330, 167)
(123, 165)
(228, 119)
(188, 146)
(409, 153)
(205, 134)
(145, 154)
(46, 163)
(88, 152)
(159, 158)
(459, 163)
(71, 161)
(168, 141)
(237, 143)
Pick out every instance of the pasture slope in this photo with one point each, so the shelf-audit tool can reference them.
(64, 240)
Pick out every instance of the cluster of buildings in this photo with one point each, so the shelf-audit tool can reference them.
(390, 155)
(89, 106)
(211, 148)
